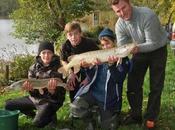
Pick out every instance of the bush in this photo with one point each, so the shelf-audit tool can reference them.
(3, 81)
(60, 40)
(20, 65)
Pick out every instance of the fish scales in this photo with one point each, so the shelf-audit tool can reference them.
(89, 57)
(36, 84)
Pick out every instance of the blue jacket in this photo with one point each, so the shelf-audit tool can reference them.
(113, 83)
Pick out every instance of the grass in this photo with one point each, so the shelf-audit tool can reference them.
(167, 114)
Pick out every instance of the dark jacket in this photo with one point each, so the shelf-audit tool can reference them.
(114, 83)
(85, 45)
(38, 70)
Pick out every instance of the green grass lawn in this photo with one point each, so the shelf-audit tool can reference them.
(167, 114)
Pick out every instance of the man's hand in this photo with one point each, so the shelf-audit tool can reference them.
(27, 86)
(135, 50)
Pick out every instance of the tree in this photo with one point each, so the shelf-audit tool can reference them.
(45, 19)
(7, 7)
(163, 8)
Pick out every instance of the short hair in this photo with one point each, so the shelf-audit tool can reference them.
(114, 2)
(74, 25)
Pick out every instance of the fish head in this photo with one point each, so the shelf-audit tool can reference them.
(125, 49)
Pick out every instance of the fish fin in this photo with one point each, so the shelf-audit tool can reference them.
(63, 70)
(62, 85)
(41, 91)
(70, 58)
(76, 68)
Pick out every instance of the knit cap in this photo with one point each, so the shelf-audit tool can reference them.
(45, 45)
(107, 32)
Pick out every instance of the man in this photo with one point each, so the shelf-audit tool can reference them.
(75, 44)
(141, 25)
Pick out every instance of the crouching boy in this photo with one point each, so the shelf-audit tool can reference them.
(41, 105)
(102, 87)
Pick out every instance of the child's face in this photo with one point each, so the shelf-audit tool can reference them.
(74, 37)
(46, 56)
(106, 44)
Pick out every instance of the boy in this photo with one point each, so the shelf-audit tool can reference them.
(104, 83)
(48, 100)
(75, 44)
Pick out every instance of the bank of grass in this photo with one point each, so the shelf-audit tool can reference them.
(167, 114)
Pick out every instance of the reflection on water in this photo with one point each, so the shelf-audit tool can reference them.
(9, 46)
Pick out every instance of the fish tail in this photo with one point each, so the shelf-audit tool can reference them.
(64, 70)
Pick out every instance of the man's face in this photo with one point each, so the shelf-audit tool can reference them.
(123, 10)
(74, 37)
(46, 56)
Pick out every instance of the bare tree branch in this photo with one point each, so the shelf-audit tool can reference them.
(50, 7)
(61, 19)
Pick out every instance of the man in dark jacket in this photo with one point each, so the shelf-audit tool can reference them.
(48, 100)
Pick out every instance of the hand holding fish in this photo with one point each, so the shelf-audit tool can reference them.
(85, 64)
(96, 62)
(52, 84)
(112, 59)
(84, 82)
(27, 86)
(135, 50)
(71, 81)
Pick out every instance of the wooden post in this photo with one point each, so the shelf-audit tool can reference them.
(95, 18)
(7, 73)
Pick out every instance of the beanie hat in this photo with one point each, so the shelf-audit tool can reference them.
(45, 45)
(106, 32)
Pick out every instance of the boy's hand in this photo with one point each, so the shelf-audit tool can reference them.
(96, 62)
(27, 86)
(71, 81)
(84, 82)
(112, 59)
(84, 64)
(52, 84)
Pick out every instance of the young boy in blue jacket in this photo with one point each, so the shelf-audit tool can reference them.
(102, 87)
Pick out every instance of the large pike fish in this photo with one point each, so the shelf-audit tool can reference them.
(36, 84)
(89, 57)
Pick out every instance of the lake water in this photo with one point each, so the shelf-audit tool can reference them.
(9, 46)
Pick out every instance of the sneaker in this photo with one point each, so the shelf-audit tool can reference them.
(149, 125)
(130, 119)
